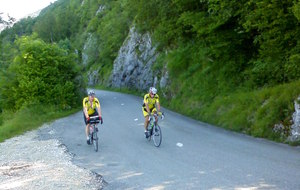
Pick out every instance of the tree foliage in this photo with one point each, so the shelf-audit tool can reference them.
(252, 43)
(41, 73)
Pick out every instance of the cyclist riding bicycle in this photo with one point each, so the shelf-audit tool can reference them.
(91, 107)
(150, 106)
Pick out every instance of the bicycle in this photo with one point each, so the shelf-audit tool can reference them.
(94, 121)
(154, 129)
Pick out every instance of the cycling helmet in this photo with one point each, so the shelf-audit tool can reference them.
(91, 93)
(153, 90)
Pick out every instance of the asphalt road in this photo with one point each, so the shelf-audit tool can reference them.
(193, 155)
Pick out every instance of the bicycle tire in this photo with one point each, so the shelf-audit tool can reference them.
(150, 129)
(157, 135)
(95, 141)
(90, 139)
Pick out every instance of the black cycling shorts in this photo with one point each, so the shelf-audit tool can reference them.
(94, 114)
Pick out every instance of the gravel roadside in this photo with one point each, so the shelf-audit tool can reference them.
(28, 162)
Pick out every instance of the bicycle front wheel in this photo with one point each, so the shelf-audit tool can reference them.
(95, 141)
(157, 135)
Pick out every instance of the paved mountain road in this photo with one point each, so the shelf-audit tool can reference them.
(193, 155)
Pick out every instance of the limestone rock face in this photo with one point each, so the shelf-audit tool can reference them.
(93, 77)
(133, 65)
(89, 50)
(295, 128)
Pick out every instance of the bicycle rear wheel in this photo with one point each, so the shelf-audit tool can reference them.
(157, 135)
(95, 141)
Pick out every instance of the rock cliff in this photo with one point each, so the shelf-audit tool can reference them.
(133, 65)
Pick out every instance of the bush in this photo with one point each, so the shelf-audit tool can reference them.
(42, 73)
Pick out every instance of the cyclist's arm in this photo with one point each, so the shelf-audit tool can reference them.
(158, 106)
(99, 110)
(85, 108)
(85, 112)
(146, 103)
(98, 107)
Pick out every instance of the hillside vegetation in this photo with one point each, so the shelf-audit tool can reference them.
(235, 63)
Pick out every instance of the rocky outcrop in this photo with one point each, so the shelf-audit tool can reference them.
(292, 132)
(93, 77)
(89, 54)
(295, 128)
(100, 9)
(133, 65)
(89, 50)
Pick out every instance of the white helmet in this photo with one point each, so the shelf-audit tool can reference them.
(91, 93)
(153, 90)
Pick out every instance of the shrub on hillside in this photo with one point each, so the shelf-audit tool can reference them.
(42, 73)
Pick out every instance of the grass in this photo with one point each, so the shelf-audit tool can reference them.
(254, 113)
(29, 118)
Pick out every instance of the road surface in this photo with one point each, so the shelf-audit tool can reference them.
(193, 155)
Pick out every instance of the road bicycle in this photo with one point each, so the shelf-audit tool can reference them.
(155, 130)
(94, 121)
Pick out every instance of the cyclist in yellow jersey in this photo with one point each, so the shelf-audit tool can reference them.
(91, 107)
(150, 106)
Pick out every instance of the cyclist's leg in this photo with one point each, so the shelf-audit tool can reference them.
(88, 125)
(154, 111)
(145, 113)
(94, 114)
(86, 128)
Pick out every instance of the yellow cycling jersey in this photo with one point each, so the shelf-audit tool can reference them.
(90, 107)
(151, 101)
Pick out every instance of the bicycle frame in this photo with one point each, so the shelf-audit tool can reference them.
(152, 118)
(94, 120)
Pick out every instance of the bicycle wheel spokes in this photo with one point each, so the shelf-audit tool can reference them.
(157, 136)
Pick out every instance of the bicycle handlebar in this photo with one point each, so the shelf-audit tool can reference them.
(94, 120)
(157, 114)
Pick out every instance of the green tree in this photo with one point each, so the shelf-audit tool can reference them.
(276, 34)
(46, 27)
(42, 73)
